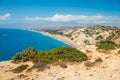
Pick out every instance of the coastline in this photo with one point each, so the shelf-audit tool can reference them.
(57, 37)
(5, 61)
(108, 69)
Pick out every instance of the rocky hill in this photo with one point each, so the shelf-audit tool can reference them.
(87, 36)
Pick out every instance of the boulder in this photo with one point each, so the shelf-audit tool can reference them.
(40, 65)
(63, 65)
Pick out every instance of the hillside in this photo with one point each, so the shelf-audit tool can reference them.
(101, 45)
(87, 36)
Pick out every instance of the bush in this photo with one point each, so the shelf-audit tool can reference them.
(105, 45)
(19, 69)
(50, 56)
(25, 55)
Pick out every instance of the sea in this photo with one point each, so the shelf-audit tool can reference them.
(13, 41)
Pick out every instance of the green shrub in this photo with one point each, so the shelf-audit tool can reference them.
(25, 55)
(50, 56)
(19, 69)
(105, 45)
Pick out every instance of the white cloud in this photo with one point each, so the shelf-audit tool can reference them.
(81, 19)
(5, 17)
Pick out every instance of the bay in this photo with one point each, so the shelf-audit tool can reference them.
(16, 40)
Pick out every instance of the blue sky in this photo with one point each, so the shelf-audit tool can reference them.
(47, 13)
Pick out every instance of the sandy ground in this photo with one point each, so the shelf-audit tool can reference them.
(109, 69)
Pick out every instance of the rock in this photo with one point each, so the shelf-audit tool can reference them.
(118, 52)
(91, 75)
(39, 65)
(98, 60)
(63, 65)
(89, 64)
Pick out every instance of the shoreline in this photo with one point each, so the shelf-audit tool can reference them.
(5, 61)
(57, 37)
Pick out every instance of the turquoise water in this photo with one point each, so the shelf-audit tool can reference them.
(16, 40)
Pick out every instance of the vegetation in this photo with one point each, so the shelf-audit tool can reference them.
(19, 69)
(39, 66)
(25, 55)
(70, 34)
(106, 45)
(99, 37)
(91, 64)
(50, 56)
(54, 32)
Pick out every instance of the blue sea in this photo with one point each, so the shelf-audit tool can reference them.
(16, 40)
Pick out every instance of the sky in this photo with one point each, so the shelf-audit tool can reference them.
(53, 13)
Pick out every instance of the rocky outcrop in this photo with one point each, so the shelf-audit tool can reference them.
(89, 41)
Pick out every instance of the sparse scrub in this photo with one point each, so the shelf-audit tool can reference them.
(91, 64)
(19, 69)
(105, 45)
(68, 35)
(99, 37)
(56, 32)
